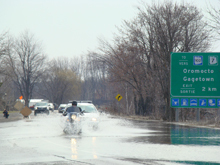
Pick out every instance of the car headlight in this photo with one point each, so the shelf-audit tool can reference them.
(73, 117)
(94, 119)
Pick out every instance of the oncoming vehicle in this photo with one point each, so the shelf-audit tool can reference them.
(51, 106)
(61, 108)
(72, 120)
(32, 103)
(41, 107)
(90, 113)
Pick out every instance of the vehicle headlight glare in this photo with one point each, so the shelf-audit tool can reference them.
(94, 119)
(73, 117)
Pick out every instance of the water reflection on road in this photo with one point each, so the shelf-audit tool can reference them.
(76, 149)
(179, 135)
(176, 134)
(147, 141)
(160, 132)
(194, 136)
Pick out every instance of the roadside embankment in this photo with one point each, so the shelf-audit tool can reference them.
(206, 124)
(13, 116)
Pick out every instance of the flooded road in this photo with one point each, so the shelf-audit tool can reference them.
(41, 140)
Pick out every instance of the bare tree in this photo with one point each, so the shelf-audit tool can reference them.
(141, 55)
(59, 83)
(214, 22)
(93, 79)
(127, 65)
(78, 65)
(172, 28)
(3, 43)
(24, 63)
(6, 85)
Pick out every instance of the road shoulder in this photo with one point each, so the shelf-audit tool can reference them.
(12, 117)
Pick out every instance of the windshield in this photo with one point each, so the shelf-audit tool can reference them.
(41, 104)
(68, 105)
(88, 108)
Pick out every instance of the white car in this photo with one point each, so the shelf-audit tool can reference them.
(91, 114)
(41, 107)
(51, 106)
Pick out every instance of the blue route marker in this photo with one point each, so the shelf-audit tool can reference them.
(211, 102)
(193, 102)
(184, 102)
(197, 60)
(175, 102)
(218, 102)
(202, 102)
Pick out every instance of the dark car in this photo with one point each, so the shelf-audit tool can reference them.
(41, 107)
(55, 106)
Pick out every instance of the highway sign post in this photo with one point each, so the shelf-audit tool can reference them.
(195, 80)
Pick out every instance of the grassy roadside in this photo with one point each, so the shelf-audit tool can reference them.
(13, 112)
(1, 112)
(13, 116)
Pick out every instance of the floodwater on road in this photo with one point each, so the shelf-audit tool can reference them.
(41, 140)
(178, 134)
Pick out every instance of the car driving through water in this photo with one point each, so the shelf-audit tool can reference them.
(90, 113)
(41, 107)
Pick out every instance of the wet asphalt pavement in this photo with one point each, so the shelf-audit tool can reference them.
(40, 140)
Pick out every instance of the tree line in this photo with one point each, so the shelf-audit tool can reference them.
(135, 64)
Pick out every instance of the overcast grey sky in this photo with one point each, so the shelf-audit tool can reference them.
(69, 28)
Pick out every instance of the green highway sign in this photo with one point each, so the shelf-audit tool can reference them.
(195, 80)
